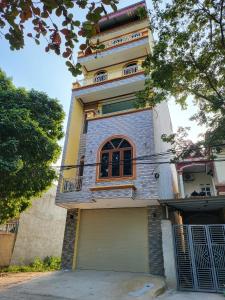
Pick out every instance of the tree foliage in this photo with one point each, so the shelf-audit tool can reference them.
(30, 127)
(189, 60)
(57, 22)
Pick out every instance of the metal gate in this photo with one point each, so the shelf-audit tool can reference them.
(200, 257)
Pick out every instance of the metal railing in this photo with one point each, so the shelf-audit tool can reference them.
(121, 40)
(130, 70)
(107, 76)
(11, 227)
(101, 77)
(72, 184)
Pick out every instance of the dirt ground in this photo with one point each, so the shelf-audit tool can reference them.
(8, 280)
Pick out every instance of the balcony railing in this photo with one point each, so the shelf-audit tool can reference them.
(72, 184)
(10, 227)
(120, 40)
(101, 77)
(130, 70)
(107, 76)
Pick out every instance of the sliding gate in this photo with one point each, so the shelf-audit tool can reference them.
(200, 257)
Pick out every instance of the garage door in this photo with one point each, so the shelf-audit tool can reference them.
(113, 239)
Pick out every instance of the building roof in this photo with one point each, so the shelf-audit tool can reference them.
(120, 17)
(195, 203)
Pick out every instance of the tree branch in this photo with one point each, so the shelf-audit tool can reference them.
(221, 24)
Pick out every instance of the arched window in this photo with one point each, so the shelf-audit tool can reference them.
(130, 68)
(101, 76)
(116, 159)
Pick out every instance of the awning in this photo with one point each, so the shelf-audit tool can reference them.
(195, 203)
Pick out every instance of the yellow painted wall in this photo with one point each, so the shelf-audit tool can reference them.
(121, 30)
(72, 148)
(6, 248)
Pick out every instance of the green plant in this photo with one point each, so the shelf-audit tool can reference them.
(49, 263)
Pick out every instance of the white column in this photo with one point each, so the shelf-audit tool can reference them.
(168, 254)
(214, 187)
(181, 184)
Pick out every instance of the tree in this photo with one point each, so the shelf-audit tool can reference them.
(189, 60)
(55, 21)
(30, 127)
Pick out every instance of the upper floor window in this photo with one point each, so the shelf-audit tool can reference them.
(101, 76)
(116, 159)
(118, 106)
(130, 68)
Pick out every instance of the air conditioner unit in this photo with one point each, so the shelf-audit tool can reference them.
(188, 177)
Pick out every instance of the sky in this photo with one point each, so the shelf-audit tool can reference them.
(31, 67)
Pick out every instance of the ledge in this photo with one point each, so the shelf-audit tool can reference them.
(113, 187)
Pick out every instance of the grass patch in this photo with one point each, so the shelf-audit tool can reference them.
(49, 263)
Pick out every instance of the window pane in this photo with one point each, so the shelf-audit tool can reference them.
(104, 169)
(116, 142)
(118, 106)
(107, 146)
(127, 165)
(125, 144)
(116, 164)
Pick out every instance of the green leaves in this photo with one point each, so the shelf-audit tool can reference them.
(189, 60)
(30, 126)
(60, 34)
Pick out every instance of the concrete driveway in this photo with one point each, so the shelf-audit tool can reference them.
(86, 285)
(92, 285)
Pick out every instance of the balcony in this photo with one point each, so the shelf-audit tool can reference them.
(102, 86)
(196, 181)
(10, 227)
(72, 184)
(84, 192)
(122, 48)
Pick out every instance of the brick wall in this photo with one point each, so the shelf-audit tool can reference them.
(69, 239)
(156, 264)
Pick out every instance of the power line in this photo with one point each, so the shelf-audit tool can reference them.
(146, 158)
(69, 167)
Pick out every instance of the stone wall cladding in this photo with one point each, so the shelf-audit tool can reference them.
(118, 193)
(156, 263)
(138, 127)
(69, 239)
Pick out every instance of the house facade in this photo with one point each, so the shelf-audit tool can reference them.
(111, 177)
(202, 180)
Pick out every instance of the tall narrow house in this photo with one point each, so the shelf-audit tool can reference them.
(114, 178)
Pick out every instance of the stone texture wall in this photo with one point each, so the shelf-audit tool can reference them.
(138, 127)
(156, 264)
(69, 239)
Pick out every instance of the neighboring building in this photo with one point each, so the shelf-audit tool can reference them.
(114, 217)
(202, 181)
(197, 233)
(38, 232)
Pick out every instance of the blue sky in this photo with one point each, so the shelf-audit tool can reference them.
(31, 67)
